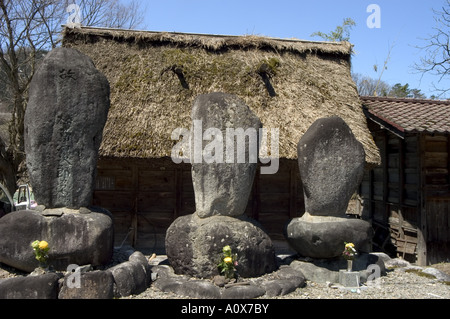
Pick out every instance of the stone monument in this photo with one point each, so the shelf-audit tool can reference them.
(64, 120)
(331, 162)
(222, 188)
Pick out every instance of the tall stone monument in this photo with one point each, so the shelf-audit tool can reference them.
(66, 112)
(222, 185)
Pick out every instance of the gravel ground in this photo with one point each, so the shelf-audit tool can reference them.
(399, 283)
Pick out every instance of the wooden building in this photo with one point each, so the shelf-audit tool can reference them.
(408, 196)
(155, 77)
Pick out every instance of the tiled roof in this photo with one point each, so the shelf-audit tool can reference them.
(409, 115)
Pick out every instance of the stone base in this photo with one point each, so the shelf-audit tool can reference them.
(81, 237)
(349, 279)
(324, 237)
(329, 270)
(194, 246)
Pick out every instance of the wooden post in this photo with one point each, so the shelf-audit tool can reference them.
(421, 205)
(134, 217)
(385, 177)
(256, 201)
(178, 192)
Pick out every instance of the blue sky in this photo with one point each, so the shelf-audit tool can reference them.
(404, 26)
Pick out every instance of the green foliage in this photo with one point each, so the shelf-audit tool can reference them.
(404, 91)
(341, 33)
(269, 66)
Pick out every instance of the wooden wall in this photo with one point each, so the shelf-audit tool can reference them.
(146, 196)
(407, 197)
(391, 194)
(436, 198)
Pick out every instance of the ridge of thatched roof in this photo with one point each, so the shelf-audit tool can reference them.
(155, 77)
(210, 41)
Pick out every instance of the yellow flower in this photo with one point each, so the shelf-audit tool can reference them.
(43, 245)
(350, 245)
(35, 244)
(228, 260)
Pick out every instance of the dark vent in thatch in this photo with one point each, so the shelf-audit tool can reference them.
(155, 76)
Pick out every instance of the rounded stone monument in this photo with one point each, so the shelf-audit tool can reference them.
(222, 184)
(331, 162)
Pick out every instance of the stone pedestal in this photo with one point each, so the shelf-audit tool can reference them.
(84, 236)
(194, 245)
(324, 237)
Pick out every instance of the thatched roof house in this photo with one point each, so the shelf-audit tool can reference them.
(155, 77)
(310, 80)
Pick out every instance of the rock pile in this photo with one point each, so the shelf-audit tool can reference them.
(278, 283)
(124, 279)
(222, 188)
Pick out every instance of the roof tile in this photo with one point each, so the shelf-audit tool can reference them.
(410, 115)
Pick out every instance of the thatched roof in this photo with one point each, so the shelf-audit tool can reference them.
(155, 77)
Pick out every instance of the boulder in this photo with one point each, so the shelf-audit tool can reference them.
(133, 276)
(66, 112)
(93, 285)
(325, 237)
(288, 280)
(243, 292)
(331, 162)
(199, 289)
(194, 245)
(222, 185)
(73, 238)
(30, 287)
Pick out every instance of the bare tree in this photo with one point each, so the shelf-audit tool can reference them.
(368, 86)
(437, 51)
(28, 29)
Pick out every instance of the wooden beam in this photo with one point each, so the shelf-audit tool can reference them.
(178, 189)
(134, 217)
(421, 209)
(256, 200)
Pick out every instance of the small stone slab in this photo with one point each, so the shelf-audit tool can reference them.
(349, 279)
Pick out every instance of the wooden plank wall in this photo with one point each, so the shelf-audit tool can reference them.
(436, 211)
(391, 194)
(407, 198)
(146, 196)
